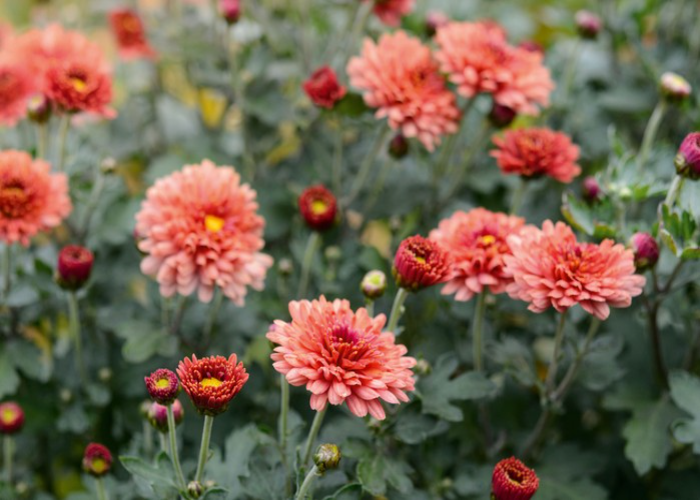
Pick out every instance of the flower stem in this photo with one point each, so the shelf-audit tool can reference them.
(369, 306)
(213, 314)
(311, 247)
(305, 488)
(6, 271)
(74, 322)
(62, 137)
(570, 376)
(467, 157)
(42, 140)
(91, 205)
(650, 134)
(284, 430)
(338, 159)
(163, 442)
(179, 313)
(395, 315)
(554, 365)
(100, 487)
(674, 191)
(477, 331)
(518, 197)
(366, 165)
(147, 438)
(313, 433)
(204, 449)
(8, 449)
(570, 71)
(174, 457)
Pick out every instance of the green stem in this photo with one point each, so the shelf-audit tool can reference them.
(477, 331)
(147, 438)
(554, 365)
(284, 430)
(305, 488)
(395, 315)
(379, 185)
(474, 148)
(74, 322)
(62, 137)
(313, 433)
(570, 71)
(213, 314)
(361, 17)
(369, 305)
(163, 442)
(42, 140)
(674, 191)
(6, 271)
(570, 376)
(338, 160)
(91, 205)
(312, 246)
(8, 448)
(650, 134)
(204, 449)
(174, 457)
(367, 164)
(179, 313)
(101, 490)
(518, 197)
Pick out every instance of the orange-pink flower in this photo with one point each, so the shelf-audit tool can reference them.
(390, 12)
(342, 356)
(478, 58)
(130, 34)
(75, 86)
(32, 199)
(400, 77)
(550, 268)
(533, 152)
(476, 242)
(200, 230)
(16, 87)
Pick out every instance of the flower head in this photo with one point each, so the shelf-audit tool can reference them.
(318, 207)
(537, 151)
(401, 79)
(158, 415)
(230, 10)
(390, 12)
(323, 88)
(591, 190)
(646, 250)
(76, 86)
(211, 383)
(688, 158)
(162, 386)
(512, 480)
(11, 418)
(97, 460)
(588, 24)
(74, 267)
(341, 356)
(373, 285)
(550, 268)
(130, 33)
(16, 87)
(200, 229)
(476, 242)
(419, 263)
(674, 87)
(32, 199)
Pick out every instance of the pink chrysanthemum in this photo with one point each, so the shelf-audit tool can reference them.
(537, 151)
(476, 242)
(16, 87)
(478, 58)
(75, 86)
(551, 269)
(390, 12)
(401, 79)
(130, 34)
(200, 229)
(342, 356)
(32, 199)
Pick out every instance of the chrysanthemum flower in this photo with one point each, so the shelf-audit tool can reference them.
(400, 77)
(211, 383)
(323, 88)
(16, 87)
(130, 34)
(688, 158)
(6, 34)
(478, 59)
(74, 266)
(341, 356)
(32, 199)
(318, 207)
(75, 86)
(97, 460)
(512, 480)
(646, 250)
(533, 152)
(390, 12)
(200, 229)
(476, 242)
(11, 418)
(551, 269)
(674, 87)
(162, 385)
(419, 263)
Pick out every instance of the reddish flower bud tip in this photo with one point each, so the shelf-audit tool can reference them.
(646, 251)
(688, 157)
(158, 415)
(434, 20)
(373, 285)
(398, 146)
(674, 87)
(39, 108)
(11, 418)
(501, 116)
(74, 267)
(323, 88)
(531, 46)
(420, 263)
(588, 24)
(512, 480)
(591, 190)
(230, 10)
(97, 460)
(162, 386)
(211, 383)
(318, 207)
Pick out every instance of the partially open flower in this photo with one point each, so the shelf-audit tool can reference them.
(512, 480)
(373, 285)
(327, 457)
(323, 88)
(390, 12)
(158, 415)
(74, 267)
(130, 33)
(230, 10)
(11, 418)
(591, 190)
(674, 87)
(688, 157)
(39, 108)
(162, 385)
(211, 383)
(97, 460)
(420, 263)
(646, 251)
(318, 207)
(588, 24)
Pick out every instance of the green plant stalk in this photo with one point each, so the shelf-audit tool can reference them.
(475, 147)
(213, 315)
(570, 71)
(74, 322)
(313, 433)
(62, 139)
(174, 457)
(338, 160)
(6, 270)
(204, 449)
(369, 305)
(674, 191)
(561, 391)
(179, 313)
(312, 247)
(554, 365)
(100, 487)
(366, 165)
(395, 315)
(91, 205)
(284, 430)
(650, 132)
(305, 488)
(477, 331)
(8, 451)
(147, 438)
(518, 197)
(42, 140)
(163, 442)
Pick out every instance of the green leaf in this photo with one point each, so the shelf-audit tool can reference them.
(155, 476)
(578, 213)
(413, 427)
(352, 105)
(556, 488)
(648, 435)
(22, 294)
(215, 493)
(376, 471)
(9, 380)
(685, 392)
(348, 492)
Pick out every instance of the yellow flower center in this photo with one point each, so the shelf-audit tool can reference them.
(318, 207)
(419, 259)
(8, 415)
(14, 201)
(214, 223)
(210, 382)
(98, 465)
(162, 383)
(79, 84)
(488, 239)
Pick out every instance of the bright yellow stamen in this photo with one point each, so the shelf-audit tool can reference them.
(210, 382)
(162, 383)
(214, 223)
(318, 207)
(420, 259)
(8, 416)
(78, 84)
(489, 239)
(98, 465)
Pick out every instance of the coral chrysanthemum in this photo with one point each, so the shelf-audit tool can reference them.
(32, 199)
(200, 229)
(75, 86)
(390, 12)
(341, 356)
(130, 33)
(400, 77)
(11, 418)
(162, 385)
(97, 460)
(476, 242)
(419, 263)
(550, 268)
(478, 58)
(533, 152)
(512, 480)
(16, 87)
(211, 383)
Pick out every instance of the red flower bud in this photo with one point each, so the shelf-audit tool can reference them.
(11, 418)
(398, 146)
(323, 88)
(434, 20)
(646, 251)
(512, 480)
(230, 10)
(420, 263)
(588, 24)
(74, 267)
(163, 386)
(158, 415)
(501, 116)
(591, 190)
(39, 108)
(688, 157)
(318, 207)
(97, 460)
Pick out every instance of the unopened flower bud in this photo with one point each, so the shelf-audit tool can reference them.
(158, 415)
(419, 263)
(333, 253)
(501, 116)
(646, 251)
(230, 10)
(104, 374)
(531, 46)
(39, 108)
(591, 190)
(373, 285)
(434, 20)
(195, 490)
(588, 24)
(11, 418)
(327, 457)
(74, 267)
(144, 408)
(108, 166)
(398, 147)
(422, 367)
(674, 87)
(285, 267)
(97, 460)
(688, 158)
